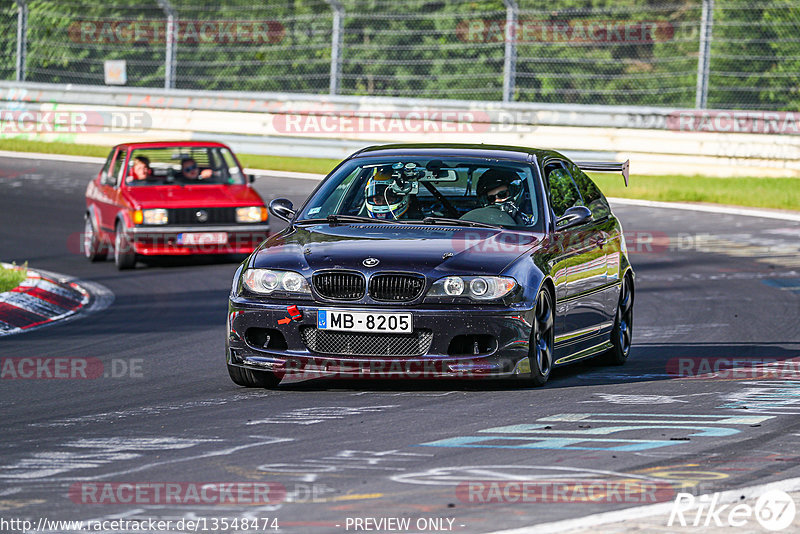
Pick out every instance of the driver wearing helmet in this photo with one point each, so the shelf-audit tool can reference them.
(382, 199)
(496, 191)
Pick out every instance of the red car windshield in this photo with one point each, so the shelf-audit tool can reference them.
(183, 166)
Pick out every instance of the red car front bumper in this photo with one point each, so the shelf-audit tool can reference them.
(172, 241)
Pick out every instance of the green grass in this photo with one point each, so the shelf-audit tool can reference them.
(281, 163)
(11, 278)
(253, 161)
(55, 147)
(777, 193)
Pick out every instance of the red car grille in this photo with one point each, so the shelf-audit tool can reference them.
(199, 216)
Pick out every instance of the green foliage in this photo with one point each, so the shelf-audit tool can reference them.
(11, 278)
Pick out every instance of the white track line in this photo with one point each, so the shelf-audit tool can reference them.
(727, 210)
(746, 212)
(51, 157)
(640, 512)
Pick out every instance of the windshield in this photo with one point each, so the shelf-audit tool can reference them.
(499, 193)
(183, 166)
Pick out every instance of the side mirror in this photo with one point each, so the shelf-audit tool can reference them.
(574, 216)
(251, 177)
(282, 208)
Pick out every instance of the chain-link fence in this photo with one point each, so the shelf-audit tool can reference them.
(681, 53)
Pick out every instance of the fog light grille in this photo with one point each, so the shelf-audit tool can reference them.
(366, 344)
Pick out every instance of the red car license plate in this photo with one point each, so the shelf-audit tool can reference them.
(203, 238)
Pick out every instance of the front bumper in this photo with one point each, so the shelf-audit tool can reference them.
(288, 352)
(163, 240)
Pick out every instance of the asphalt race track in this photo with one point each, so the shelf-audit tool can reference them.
(709, 287)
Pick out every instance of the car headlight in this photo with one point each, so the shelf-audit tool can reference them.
(267, 281)
(473, 287)
(251, 214)
(156, 216)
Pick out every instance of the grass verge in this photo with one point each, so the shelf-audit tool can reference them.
(280, 163)
(776, 193)
(11, 278)
(253, 161)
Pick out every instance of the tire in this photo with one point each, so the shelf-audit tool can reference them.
(93, 248)
(541, 350)
(622, 334)
(124, 256)
(252, 379)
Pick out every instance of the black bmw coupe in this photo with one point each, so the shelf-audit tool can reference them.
(436, 261)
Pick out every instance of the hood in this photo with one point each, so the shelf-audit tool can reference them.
(193, 196)
(430, 250)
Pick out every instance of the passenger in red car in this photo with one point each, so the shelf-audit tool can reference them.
(141, 168)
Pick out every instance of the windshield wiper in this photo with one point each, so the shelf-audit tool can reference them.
(333, 220)
(458, 222)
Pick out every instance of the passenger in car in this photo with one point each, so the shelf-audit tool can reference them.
(141, 169)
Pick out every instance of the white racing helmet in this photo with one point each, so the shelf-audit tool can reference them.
(381, 199)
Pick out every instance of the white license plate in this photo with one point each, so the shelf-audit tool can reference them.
(396, 323)
(203, 238)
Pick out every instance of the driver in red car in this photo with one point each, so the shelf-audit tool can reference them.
(190, 170)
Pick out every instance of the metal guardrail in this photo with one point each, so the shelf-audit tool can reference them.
(258, 123)
(521, 113)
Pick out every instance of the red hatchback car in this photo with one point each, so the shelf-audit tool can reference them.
(172, 198)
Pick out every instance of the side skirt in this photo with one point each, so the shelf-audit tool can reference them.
(585, 353)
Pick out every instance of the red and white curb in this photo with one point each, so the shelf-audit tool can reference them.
(44, 298)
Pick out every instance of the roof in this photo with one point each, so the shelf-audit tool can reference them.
(456, 150)
(167, 144)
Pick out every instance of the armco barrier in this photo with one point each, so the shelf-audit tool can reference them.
(658, 140)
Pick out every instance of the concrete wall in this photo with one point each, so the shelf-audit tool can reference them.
(656, 140)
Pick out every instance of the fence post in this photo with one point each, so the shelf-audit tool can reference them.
(22, 39)
(510, 63)
(172, 43)
(706, 24)
(337, 37)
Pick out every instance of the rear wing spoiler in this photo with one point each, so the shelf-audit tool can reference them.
(601, 166)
